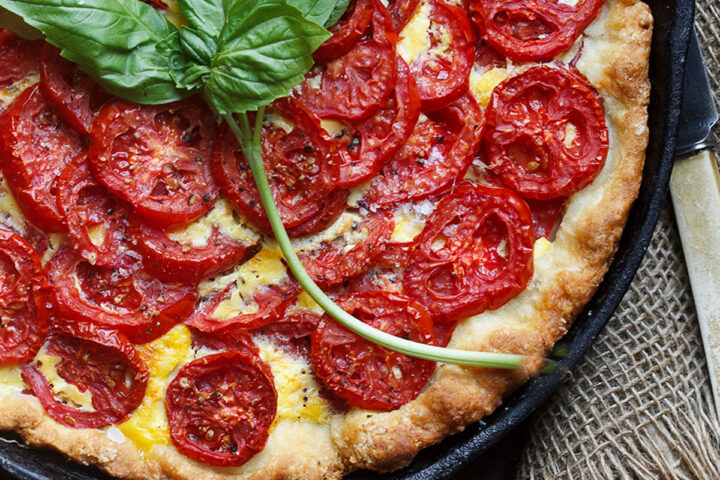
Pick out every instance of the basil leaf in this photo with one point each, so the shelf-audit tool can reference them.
(262, 54)
(340, 7)
(114, 41)
(317, 11)
(16, 24)
(204, 15)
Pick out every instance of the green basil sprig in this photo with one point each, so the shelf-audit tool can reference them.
(240, 55)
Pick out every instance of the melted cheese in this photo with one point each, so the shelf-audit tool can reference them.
(344, 227)
(410, 220)
(415, 37)
(221, 216)
(482, 84)
(298, 392)
(11, 92)
(149, 425)
(10, 380)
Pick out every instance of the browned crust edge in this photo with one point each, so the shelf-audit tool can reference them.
(457, 396)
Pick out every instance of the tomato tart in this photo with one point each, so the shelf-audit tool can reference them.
(457, 173)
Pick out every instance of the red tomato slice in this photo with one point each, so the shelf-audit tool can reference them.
(35, 148)
(438, 153)
(94, 359)
(292, 332)
(356, 84)
(441, 73)
(546, 215)
(301, 165)
(546, 135)
(532, 30)
(266, 306)
(347, 31)
(363, 373)
(140, 306)
(19, 58)
(366, 145)
(23, 290)
(75, 96)
(157, 158)
(333, 208)
(401, 11)
(236, 341)
(474, 254)
(174, 262)
(333, 262)
(220, 408)
(89, 208)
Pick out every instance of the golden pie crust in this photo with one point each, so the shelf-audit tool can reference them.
(567, 273)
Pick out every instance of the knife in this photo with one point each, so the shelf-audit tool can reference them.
(695, 190)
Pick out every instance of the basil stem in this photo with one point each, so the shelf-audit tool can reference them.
(252, 149)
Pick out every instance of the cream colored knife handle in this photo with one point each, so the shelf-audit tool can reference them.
(695, 189)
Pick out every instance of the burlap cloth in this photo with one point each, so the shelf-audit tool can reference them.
(639, 406)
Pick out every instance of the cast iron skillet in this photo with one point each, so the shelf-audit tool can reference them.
(673, 19)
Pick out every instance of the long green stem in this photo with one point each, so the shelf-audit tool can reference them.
(252, 149)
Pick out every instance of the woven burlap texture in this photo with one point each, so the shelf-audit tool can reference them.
(639, 406)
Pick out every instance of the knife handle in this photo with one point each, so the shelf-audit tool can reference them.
(695, 190)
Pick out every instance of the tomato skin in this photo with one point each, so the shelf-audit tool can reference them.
(365, 150)
(331, 263)
(526, 142)
(220, 408)
(347, 31)
(35, 148)
(272, 301)
(362, 373)
(140, 306)
(484, 258)
(235, 341)
(333, 208)
(442, 80)
(173, 262)
(87, 205)
(73, 94)
(157, 158)
(300, 163)
(437, 154)
(401, 11)
(19, 58)
(23, 293)
(292, 332)
(356, 84)
(93, 359)
(532, 30)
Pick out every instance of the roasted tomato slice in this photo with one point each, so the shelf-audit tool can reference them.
(438, 153)
(23, 316)
(352, 251)
(229, 309)
(292, 332)
(97, 223)
(546, 135)
(140, 306)
(237, 341)
(362, 373)
(347, 31)
(442, 71)
(157, 158)
(532, 30)
(333, 208)
(97, 360)
(474, 254)
(356, 84)
(35, 148)
(74, 95)
(190, 254)
(220, 408)
(546, 215)
(366, 145)
(401, 11)
(299, 157)
(19, 58)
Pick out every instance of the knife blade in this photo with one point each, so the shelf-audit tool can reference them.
(695, 191)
